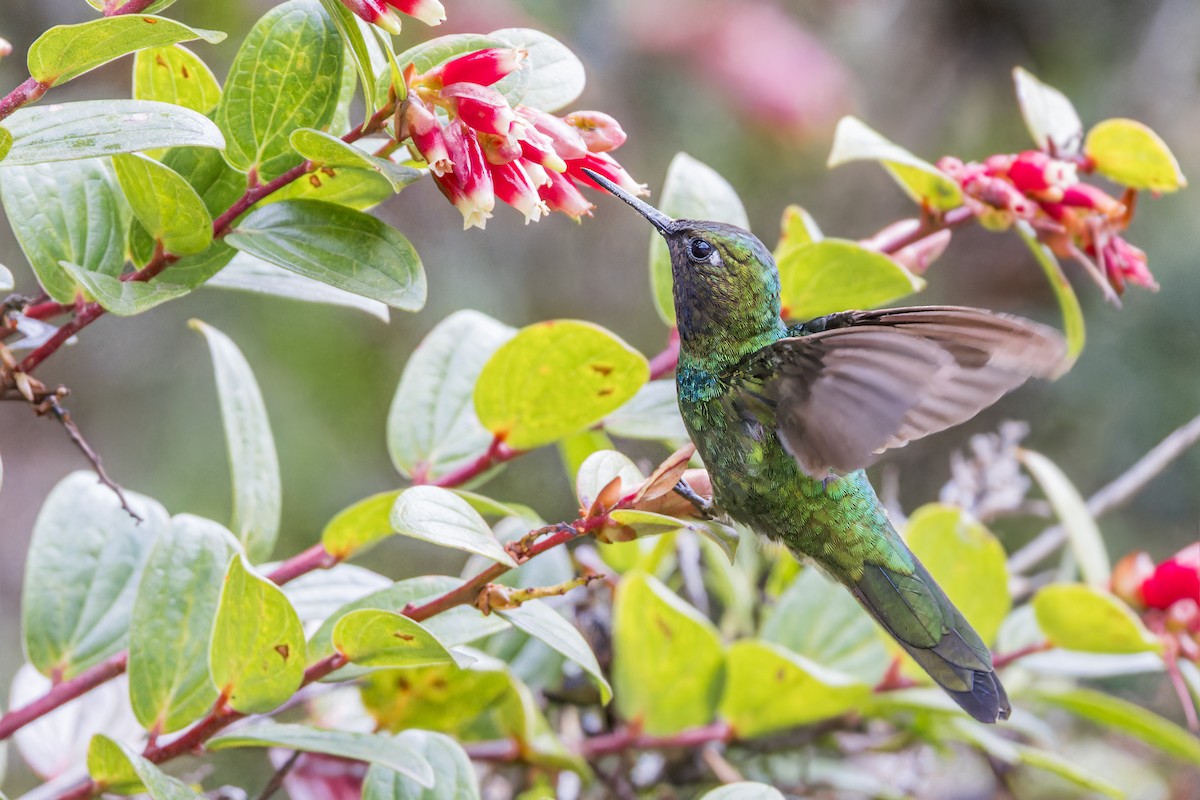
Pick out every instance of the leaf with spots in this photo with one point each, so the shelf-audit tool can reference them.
(374, 637)
(257, 653)
(176, 75)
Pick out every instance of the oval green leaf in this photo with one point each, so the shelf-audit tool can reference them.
(796, 229)
(90, 128)
(768, 689)
(668, 663)
(372, 637)
(692, 190)
(123, 298)
(555, 378)
(1128, 152)
(167, 206)
(85, 562)
(72, 212)
(1089, 619)
(387, 751)
(67, 51)
(555, 75)
(172, 621)
(1064, 293)
(1049, 116)
(542, 622)
(599, 469)
(453, 774)
(853, 140)
(967, 561)
(246, 273)
(257, 489)
(1082, 532)
(176, 75)
(116, 767)
(6, 142)
(432, 427)
(652, 413)
(286, 75)
(257, 653)
(837, 275)
(359, 526)
(327, 150)
(339, 246)
(441, 517)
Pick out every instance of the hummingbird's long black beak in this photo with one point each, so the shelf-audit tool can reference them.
(656, 218)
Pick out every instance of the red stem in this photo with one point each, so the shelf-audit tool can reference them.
(665, 362)
(626, 739)
(62, 693)
(497, 453)
(1004, 659)
(27, 92)
(951, 219)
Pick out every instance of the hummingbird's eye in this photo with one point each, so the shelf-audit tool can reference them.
(699, 250)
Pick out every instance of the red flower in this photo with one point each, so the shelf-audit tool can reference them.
(469, 187)
(431, 12)
(376, 13)
(599, 131)
(514, 186)
(427, 135)
(482, 67)
(606, 166)
(560, 194)
(481, 107)
(1177, 578)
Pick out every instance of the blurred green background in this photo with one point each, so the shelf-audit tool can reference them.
(752, 88)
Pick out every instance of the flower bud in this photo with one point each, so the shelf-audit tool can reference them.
(599, 131)
(483, 67)
(513, 186)
(560, 194)
(1177, 578)
(499, 149)
(1129, 574)
(1035, 171)
(469, 187)
(604, 164)
(431, 12)
(1084, 195)
(1123, 263)
(537, 148)
(376, 13)
(564, 139)
(917, 256)
(480, 107)
(428, 136)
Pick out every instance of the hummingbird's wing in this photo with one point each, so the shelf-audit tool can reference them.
(874, 380)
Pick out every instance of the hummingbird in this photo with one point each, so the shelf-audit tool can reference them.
(786, 418)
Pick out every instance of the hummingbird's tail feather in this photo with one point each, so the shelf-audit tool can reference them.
(919, 616)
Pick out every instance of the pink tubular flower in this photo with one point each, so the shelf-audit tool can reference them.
(1177, 578)
(481, 107)
(376, 13)
(560, 194)
(1033, 171)
(483, 67)
(1083, 195)
(428, 136)
(538, 149)
(606, 166)
(469, 187)
(1123, 263)
(563, 138)
(599, 131)
(431, 12)
(499, 149)
(514, 186)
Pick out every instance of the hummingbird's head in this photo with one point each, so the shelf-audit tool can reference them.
(725, 282)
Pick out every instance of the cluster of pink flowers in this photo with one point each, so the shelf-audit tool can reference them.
(481, 148)
(1168, 593)
(1074, 219)
(431, 12)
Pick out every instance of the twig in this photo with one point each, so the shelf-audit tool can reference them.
(276, 781)
(1004, 659)
(52, 406)
(497, 453)
(666, 361)
(27, 92)
(629, 739)
(1113, 495)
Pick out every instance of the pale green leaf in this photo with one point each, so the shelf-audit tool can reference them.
(542, 622)
(1079, 775)
(432, 428)
(176, 75)
(339, 246)
(1049, 116)
(1129, 153)
(249, 274)
(555, 378)
(1068, 302)
(372, 637)
(1090, 619)
(692, 190)
(1082, 532)
(360, 525)
(326, 150)
(599, 469)
(257, 490)
(441, 517)
(797, 228)
(359, 62)
(116, 767)
(6, 142)
(85, 562)
(652, 413)
(123, 298)
(167, 206)
(837, 275)
(257, 653)
(920, 180)
(453, 774)
(319, 594)
(554, 75)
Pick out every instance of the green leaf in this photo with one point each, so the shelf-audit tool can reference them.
(359, 526)
(555, 378)
(966, 560)
(599, 469)
(743, 790)
(837, 275)
(358, 189)
(578, 447)
(668, 663)
(1129, 153)
(652, 413)
(166, 204)
(820, 620)
(70, 212)
(1089, 619)
(920, 180)
(375, 638)
(85, 561)
(257, 653)
(67, 51)
(1053, 763)
(542, 622)
(174, 74)
(796, 229)
(1082, 533)
(393, 753)
(453, 774)
(6, 279)
(116, 767)
(359, 63)
(123, 298)
(257, 490)
(285, 76)
(432, 428)
(1126, 718)
(1049, 116)
(171, 624)
(319, 594)
(339, 246)
(441, 517)
(692, 190)
(249, 274)
(90, 128)
(1068, 302)
(327, 150)
(6, 142)
(555, 75)
(769, 689)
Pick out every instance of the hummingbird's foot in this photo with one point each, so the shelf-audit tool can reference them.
(705, 507)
